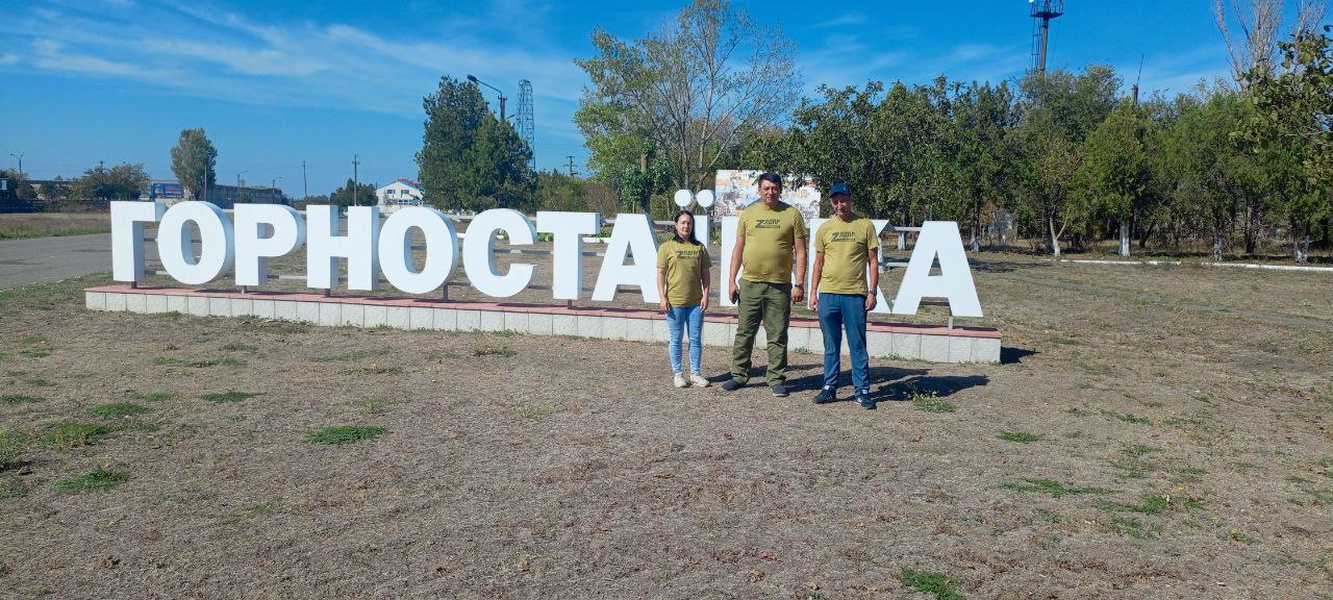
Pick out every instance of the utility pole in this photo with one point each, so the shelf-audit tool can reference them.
(356, 181)
(20, 157)
(305, 183)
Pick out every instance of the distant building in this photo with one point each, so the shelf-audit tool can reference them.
(403, 192)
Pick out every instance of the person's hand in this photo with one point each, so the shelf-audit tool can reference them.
(703, 304)
(733, 292)
(813, 302)
(664, 305)
(797, 294)
(871, 301)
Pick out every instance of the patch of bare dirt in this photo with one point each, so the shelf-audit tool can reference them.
(1182, 450)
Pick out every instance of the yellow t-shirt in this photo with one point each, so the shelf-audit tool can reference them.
(846, 246)
(770, 235)
(684, 264)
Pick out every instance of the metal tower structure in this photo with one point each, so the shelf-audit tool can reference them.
(525, 119)
(1042, 12)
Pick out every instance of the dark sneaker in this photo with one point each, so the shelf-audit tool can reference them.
(732, 385)
(826, 395)
(779, 390)
(864, 400)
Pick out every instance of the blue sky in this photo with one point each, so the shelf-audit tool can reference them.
(279, 84)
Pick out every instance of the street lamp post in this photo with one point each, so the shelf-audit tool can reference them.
(20, 157)
(273, 189)
(238, 184)
(473, 79)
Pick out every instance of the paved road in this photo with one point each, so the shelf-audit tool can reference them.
(55, 258)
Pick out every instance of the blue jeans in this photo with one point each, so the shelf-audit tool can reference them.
(678, 318)
(837, 311)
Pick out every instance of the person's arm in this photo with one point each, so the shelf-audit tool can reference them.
(707, 278)
(661, 289)
(736, 254)
(872, 294)
(816, 272)
(798, 293)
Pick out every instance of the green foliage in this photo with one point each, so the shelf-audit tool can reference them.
(19, 399)
(194, 161)
(69, 435)
(563, 193)
(121, 182)
(229, 396)
(1050, 486)
(100, 480)
(344, 434)
(353, 194)
(1020, 437)
(469, 159)
(116, 410)
(929, 582)
(1291, 127)
(687, 96)
(493, 350)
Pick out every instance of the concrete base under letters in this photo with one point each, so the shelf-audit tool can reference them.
(933, 343)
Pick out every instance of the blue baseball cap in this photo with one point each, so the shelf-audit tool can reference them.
(839, 188)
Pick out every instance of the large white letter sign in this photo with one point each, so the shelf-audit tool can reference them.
(938, 239)
(633, 234)
(324, 246)
(568, 230)
(175, 242)
(479, 252)
(395, 249)
(723, 261)
(264, 231)
(127, 219)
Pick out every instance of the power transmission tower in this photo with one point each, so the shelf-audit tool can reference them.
(572, 172)
(1043, 11)
(525, 125)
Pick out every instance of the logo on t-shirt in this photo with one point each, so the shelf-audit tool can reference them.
(767, 223)
(843, 236)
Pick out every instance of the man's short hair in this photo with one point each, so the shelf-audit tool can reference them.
(770, 177)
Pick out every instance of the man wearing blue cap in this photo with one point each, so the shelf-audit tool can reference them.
(846, 249)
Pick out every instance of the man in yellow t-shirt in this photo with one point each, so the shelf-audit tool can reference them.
(846, 249)
(770, 232)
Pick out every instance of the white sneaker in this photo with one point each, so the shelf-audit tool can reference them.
(680, 380)
(698, 380)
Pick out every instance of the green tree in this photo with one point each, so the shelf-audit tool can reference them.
(194, 162)
(688, 96)
(1113, 176)
(469, 160)
(1057, 111)
(121, 182)
(563, 193)
(983, 121)
(1292, 128)
(352, 194)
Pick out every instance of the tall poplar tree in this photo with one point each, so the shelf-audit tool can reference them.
(194, 162)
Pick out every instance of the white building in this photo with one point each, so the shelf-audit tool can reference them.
(403, 192)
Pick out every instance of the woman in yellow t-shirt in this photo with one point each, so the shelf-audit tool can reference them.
(682, 284)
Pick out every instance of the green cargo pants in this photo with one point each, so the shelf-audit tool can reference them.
(771, 304)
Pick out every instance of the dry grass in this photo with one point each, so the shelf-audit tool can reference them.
(1182, 415)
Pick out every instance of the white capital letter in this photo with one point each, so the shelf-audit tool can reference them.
(479, 252)
(568, 230)
(938, 239)
(632, 235)
(127, 219)
(175, 243)
(395, 249)
(324, 246)
(264, 231)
